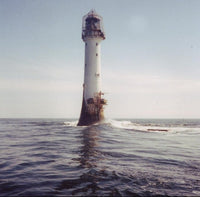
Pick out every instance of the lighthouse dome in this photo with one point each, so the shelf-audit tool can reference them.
(92, 26)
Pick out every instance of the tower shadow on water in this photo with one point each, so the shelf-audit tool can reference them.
(93, 102)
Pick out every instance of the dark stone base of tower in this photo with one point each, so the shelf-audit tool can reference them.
(92, 111)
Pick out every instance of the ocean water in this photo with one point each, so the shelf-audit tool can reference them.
(142, 157)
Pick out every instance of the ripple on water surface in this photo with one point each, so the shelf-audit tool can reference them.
(116, 158)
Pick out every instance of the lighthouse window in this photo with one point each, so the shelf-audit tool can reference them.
(96, 54)
(96, 44)
(86, 43)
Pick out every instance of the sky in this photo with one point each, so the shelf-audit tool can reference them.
(150, 58)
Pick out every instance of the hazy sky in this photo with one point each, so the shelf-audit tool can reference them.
(150, 58)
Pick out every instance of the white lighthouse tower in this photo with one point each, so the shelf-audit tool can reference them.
(92, 35)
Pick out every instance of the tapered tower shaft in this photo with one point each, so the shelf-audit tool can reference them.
(92, 35)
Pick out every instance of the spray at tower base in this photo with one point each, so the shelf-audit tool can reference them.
(93, 102)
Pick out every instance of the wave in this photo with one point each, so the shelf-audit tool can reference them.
(71, 123)
(142, 126)
(129, 125)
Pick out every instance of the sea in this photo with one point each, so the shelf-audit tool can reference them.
(117, 157)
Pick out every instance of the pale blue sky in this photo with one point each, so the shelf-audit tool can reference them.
(150, 58)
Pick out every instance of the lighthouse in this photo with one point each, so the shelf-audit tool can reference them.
(93, 101)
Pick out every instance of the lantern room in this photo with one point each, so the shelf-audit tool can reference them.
(92, 26)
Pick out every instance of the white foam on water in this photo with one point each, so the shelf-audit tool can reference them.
(126, 124)
(71, 123)
(119, 124)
